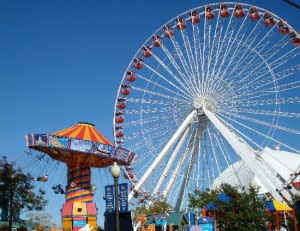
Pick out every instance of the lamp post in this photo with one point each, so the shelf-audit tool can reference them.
(115, 172)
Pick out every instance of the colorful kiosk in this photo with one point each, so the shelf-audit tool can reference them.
(81, 147)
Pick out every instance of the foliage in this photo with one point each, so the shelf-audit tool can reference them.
(155, 206)
(17, 192)
(244, 209)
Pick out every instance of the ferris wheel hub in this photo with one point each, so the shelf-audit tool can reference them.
(204, 101)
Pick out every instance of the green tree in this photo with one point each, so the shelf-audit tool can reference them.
(243, 210)
(156, 206)
(17, 192)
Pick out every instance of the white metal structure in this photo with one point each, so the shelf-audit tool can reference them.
(211, 87)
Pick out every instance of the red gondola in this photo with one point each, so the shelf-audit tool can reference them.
(119, 134)
(238, 11)
(125, 89)
(146, 51)
(295, 39)
(138, 63)
(130, 76)
(253, 13)
(43, 178)
(180, 23)
(168, 32)
(121, 103)
(283, 27)
(209, 14)
(129, 175)
(156, 41)
(224, 11)
(195, 17)
(119, 119)
(268, 19)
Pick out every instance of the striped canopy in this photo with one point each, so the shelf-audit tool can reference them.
(83, 131)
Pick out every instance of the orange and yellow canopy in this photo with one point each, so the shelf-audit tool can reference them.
(83, 131)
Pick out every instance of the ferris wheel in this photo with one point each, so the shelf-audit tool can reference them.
(212, 87)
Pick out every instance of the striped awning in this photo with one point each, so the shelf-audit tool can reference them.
(83, 131)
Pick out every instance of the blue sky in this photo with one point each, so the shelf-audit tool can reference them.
(62, 61)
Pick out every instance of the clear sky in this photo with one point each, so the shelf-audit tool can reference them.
(62, 61)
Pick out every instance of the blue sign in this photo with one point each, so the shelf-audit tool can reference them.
(109, 198)
(123, 197)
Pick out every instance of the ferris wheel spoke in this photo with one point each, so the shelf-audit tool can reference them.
(144, 133)
(182, 59)
(231, 42)
(157, 102)
(182, 82)
(278, 63)
(168, 81)
(198, 52)
(222, 43)
(259, 47)
(140, 122)
(259, 83)
(258, 92)
(250, 72)
(261, 102)
(214, 54)
(262, 122)
(155, 93)
(190, 56)
(271, 113)
(148, 110)
(248, 41)
(219, 46)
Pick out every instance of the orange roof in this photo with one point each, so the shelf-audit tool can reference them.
(83, 131)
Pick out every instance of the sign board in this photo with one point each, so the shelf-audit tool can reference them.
(123, 197)
(109, 199)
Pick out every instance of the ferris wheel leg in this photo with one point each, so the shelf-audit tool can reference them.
(164, 151)
(171, 161)
(173, 177)
(248, 155)
(195, 152)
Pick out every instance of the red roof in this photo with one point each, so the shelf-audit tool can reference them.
(83, 131)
